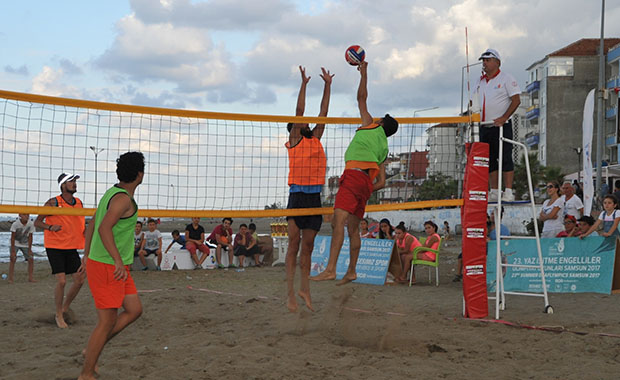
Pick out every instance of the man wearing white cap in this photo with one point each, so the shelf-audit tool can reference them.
(63, 236)
(498, 94)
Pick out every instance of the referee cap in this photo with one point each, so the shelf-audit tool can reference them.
(490, 53)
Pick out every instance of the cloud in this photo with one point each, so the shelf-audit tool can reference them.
(21, 70)
(52, 82)
(69, 67)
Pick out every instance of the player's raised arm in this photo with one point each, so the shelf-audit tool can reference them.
(327, 78)
(295, 135)
(362, 95)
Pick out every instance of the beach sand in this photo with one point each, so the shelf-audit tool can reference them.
(224, 324)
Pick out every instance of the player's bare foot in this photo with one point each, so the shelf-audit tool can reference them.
(349, 277)
(32, 280)
(324, 276)
(83, 377)
(60, 322)
(10, 280)
(291, 304)
(306, 297)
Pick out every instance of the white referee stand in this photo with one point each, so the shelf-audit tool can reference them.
(500, 293)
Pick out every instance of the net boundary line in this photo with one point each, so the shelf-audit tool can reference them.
(78, 103)
(258, 213)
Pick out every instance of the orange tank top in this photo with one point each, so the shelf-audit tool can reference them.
(414, 243)
(307, 162)
(71, 235)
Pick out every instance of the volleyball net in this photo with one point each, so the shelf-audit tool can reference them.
(206, 164)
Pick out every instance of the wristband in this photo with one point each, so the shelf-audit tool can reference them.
(49, 228)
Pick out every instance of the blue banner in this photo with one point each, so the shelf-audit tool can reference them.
(571, 265)
(372, 264)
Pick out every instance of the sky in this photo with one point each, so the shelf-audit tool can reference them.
(242, 56)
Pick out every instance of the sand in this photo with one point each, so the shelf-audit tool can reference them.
(224, 324)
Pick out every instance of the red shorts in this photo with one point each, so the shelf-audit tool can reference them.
(354, 191)
(107, 292)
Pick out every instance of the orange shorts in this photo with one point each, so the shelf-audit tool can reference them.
(354, 191)
(426, 256)
(107, 292)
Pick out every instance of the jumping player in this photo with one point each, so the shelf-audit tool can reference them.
(307, 164)
(107, 257)
(365, 163)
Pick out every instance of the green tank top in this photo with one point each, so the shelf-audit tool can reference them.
(369, 145)
(123, 231)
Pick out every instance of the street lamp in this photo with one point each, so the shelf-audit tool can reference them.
(410, 153)
(578, 150)
(96, 151)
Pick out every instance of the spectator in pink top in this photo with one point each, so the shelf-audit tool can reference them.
(222, 237)
(432, 242)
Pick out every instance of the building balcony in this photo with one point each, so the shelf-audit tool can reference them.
(532, 87)
(532, 113)
(613, 83)
(611, 112)
(610, 140)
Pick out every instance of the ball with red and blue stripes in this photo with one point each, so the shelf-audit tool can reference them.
(355, 55)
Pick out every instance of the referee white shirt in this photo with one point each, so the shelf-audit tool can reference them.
(494, 94)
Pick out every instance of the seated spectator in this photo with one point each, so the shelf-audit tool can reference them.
(432, 241)
(195, 240)
(584, 224)
(405, 243)
(245, 246)
(138, 236)
(386, 231)
(364, 232)
(179, 239)
(151, 245)
(609, 218)
(265, 245)
(222, 237)
(570, 227)
(446, 230)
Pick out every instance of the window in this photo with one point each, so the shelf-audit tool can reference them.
(560, 66)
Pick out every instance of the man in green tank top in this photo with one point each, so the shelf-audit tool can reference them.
(364, 173)
(107, 256)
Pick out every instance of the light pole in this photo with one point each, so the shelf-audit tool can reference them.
(96, 151)
(410, 153)
(578, 150)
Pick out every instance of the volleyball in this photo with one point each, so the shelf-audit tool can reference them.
(355, 55)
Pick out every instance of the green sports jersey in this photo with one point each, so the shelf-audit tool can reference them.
(368, 145)
(123, 231)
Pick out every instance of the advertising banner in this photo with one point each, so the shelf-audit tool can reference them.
(571, 265)
(372, 264)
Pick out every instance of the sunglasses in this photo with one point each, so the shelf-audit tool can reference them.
(550, 186)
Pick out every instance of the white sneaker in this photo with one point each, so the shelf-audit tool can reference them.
(508, 197)
(493, 196)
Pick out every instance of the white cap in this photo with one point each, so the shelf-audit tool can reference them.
(66, 177)
(490, 53)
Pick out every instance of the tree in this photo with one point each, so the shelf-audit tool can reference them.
(539, 174)
(437, 186)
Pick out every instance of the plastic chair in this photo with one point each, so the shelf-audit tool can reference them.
(427, 263)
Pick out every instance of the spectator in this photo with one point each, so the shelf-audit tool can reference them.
(364, 231)
(610, 218)
(151, 245)
(617, 189)
(572, 204)
(446, 230)
(551, 213)
(179, 239)
(584, 224)
(138, 237)
(386, 231)
(222, 237)
(245, 246)
(265, 245)
(195, 240)
(405, 244)
(503, 230)
(432, 241)
(21, 240)
(570, 227)
(578, 189)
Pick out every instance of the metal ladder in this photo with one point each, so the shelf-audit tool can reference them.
(500, 293)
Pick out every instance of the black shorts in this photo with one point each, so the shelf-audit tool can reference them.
(215, 243)
(135, 251)
(490, 135)
(63, 260)
(150, 252)
(305, 200)
(241, 250)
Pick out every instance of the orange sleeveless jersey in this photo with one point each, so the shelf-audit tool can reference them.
(71, 236)
(307, 162)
